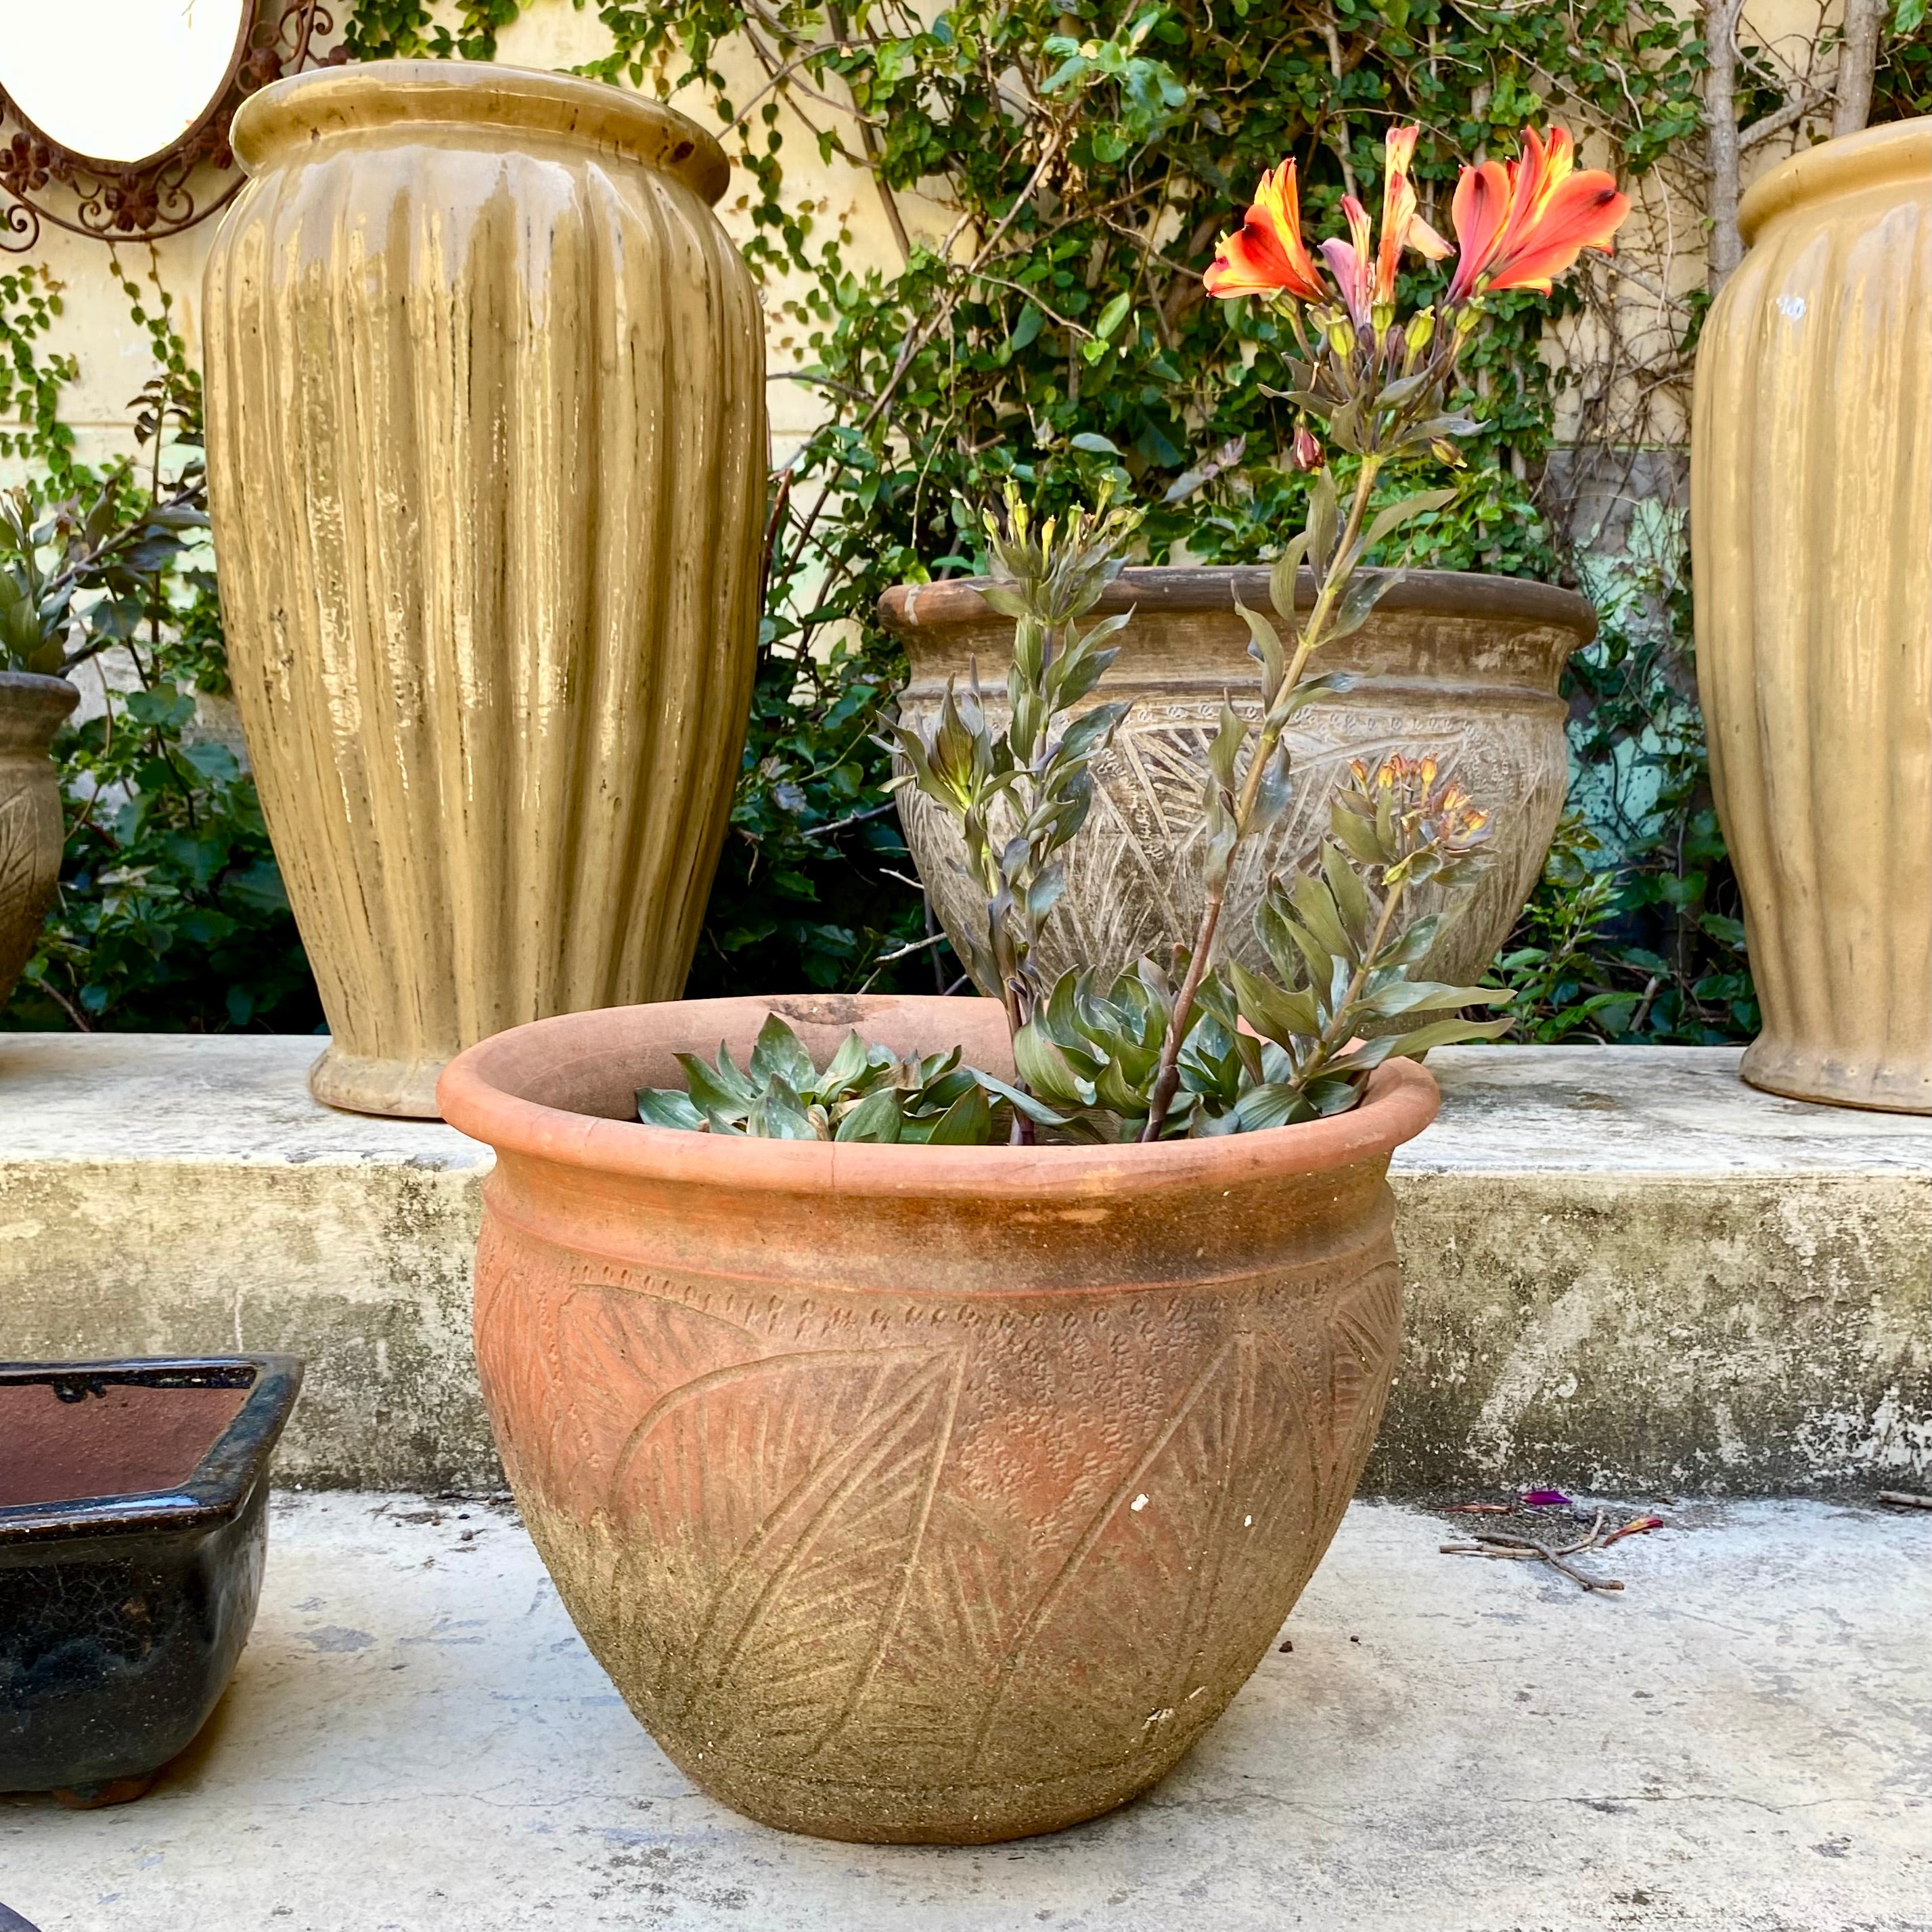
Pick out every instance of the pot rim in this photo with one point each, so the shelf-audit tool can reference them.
(908, 609)
(1894, 150)
(32, 707)
(1401, 1099)
(415, 96)
(228, 1471)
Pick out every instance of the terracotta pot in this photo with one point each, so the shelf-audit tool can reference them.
(487, 457)
(1811, 523)
(1463, 667)
(31, 830)
(912, 1493)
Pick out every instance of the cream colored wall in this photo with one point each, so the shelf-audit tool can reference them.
(1663, 248)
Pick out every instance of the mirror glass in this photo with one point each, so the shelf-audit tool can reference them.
(118, 80)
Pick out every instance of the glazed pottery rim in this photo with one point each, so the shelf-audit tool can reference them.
(1401, 1100)
(1894, 151)
(222, 1480)
(415, 97)
(908, 609)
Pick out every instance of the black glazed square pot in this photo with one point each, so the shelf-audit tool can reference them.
(132, 1526)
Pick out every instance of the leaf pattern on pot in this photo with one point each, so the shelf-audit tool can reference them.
(1365, 1326)
(587, 1356)
(1133, 878)
(776, 1513)
(1341, 1350)
(1162, 1598)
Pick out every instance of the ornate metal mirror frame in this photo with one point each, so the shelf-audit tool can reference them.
(41, 181)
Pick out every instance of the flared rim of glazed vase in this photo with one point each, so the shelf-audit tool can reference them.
(1897, 151)
(418, 97)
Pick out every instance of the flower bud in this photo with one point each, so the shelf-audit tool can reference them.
(1421, 331)
(1341, 339)
(1305, 451)
(1446, 454)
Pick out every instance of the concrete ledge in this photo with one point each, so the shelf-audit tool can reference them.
(1625, 1269)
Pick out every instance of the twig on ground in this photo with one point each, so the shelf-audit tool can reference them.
(1529, 1548)
(1904, 1499)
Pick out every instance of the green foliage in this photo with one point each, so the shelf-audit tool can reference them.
(864, 1092)
(31, 379)
(1258, 1053)
(1045, 322)
(107, 552)
(406, 30)
(1021, 794)
(1902, 86)
(1635, 931)
(170, 912)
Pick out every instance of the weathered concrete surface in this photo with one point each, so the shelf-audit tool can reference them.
(1624, 1266)
(417, 1742)
(165, 1195)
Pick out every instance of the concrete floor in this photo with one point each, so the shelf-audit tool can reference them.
(416, 1742)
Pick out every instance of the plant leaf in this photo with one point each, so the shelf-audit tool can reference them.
(1265, 647)
(967, 1123)
(666, 1107)
(1448, 1033)
(876, 1118)
(778, 1052)
(1398, 514)
(1366, 590)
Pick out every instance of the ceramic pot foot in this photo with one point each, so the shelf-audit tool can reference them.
(360, 1083)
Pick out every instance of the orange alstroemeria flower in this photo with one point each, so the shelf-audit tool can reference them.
(1364, 279)
(1351, 262)
(1267, 256)
(1403, 227)
(1523, 224)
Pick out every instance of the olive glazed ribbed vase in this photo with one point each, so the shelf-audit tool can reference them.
(1811, 521)
(1459, 666)
(920, 1493)
(487, 454)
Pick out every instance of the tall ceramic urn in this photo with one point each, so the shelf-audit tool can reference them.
(487, 454)
(1811, 472)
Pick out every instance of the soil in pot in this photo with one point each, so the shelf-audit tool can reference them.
(911, 1493)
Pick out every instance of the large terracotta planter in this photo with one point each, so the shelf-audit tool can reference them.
(1811, 523)
(31, 830)
(1461, 666)
(911, 1493)
(487, 456)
